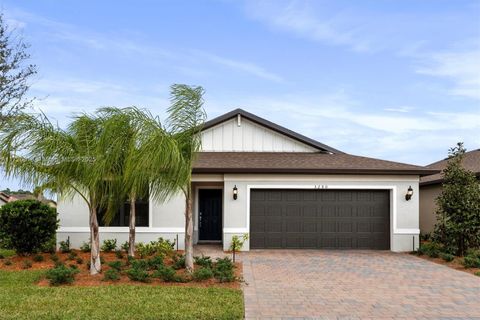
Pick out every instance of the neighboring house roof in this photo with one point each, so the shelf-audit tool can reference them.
(275, 127)
(300, 162)
(3, 197)
(25, 196)
(470, 161)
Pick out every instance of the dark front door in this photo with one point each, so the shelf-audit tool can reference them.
(320, 219)
(210, 214)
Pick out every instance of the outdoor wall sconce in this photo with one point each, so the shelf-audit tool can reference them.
(235, 192)
(409, 194)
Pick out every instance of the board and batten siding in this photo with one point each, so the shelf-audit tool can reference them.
(247, 136)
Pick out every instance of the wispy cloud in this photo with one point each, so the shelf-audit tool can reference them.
(299, 18)
(462, 68)
(242, 66)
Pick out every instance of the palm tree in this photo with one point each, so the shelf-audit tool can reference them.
(141, 156)
(185, 121)
(67, 161)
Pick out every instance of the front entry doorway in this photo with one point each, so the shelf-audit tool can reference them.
(210, 215)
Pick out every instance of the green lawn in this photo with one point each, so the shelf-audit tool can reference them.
(20, 298)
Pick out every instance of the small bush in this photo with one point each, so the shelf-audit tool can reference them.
(58, 263)
(54, 257)
(137, 274)
(202, 274)
(155, 262)
(447, 256)
(129, 260)
(125, 246)
(139, 264)
(223, 270)
(471, 261)
(178, 262)
(111, 275)
(85, 247)
(431, 249)
(204, 261)
(27, 225)
(64, 246)
(473, 253)
(167, 274)
(79, 260)
(117, 265)
(145, 250)
(109, 245)
(477, 273)
(61, 275)
(72, 255)
(38, 258)
(27, 264)
(8, 262)
(73, 266)
(119, 254)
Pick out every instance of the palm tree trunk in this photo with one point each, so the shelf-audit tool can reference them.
(95, 264)
(188, 231)
(131, 225)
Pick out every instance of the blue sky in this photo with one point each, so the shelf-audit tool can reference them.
(397, 80)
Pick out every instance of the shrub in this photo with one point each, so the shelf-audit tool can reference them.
(473, 253)
(137, 274)
(139, 264)
(111, 275)
(27, 225)
(50, 246)
(109, 245)
(223, 270)
(8, 262)
(204, 261)
(71, 256)
(447, 256)
(119, 254)
(477, 273)
(471, 261)
(202, 274)
(38, 258)
(117, 265)
(73, 266)
(167, 274)
(145, 249)
(54, 257)
(125, 246)
(58, 263)
(155, 262)
(27, 264)
(431, 249)
(61, 275)
(85, 247)
(79, 260)
(178, 262)
(65, 246)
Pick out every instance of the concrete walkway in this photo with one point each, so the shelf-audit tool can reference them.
(309, 284)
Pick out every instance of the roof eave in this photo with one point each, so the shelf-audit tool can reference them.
(316, 171)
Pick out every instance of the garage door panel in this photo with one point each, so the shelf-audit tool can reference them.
(345, 219)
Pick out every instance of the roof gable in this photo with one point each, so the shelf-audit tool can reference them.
(309, 145)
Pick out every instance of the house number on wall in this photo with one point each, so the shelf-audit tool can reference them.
(321, 186)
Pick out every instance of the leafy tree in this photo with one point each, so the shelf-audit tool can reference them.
(15, 72)
(458, 213)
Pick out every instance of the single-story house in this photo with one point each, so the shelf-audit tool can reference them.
(281, 188)
(5, 198)
(431, 187)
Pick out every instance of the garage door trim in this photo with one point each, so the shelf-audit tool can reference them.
(392, 188)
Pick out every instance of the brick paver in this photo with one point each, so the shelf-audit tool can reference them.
(308, 284)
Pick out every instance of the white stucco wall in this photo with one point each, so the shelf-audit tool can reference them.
(248, 136)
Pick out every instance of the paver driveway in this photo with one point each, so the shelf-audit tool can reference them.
(354, 284)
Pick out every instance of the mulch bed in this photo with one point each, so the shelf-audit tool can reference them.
(83, 278)
(455, 264)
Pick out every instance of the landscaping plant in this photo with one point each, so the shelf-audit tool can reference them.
(27, 264)
(61, 275)
(155, 262)
(117, 265)
(178, 261)
(202, 274)
(224, 270)
(65, 246)
(79, 260)
(8, 262)
(27, 225)
(237, 243)
(458, 213)
(203, 261)
(111, 275)
(38, 258)
(119, 254)
(167, 274)
(138, 274)
(109, 245)
(85, 247)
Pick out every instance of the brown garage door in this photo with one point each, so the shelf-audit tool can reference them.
(327, 219)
